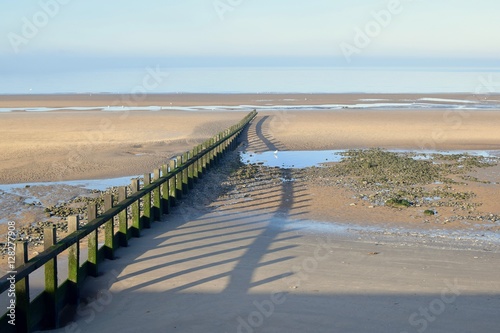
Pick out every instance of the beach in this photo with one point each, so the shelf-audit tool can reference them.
(69, 142)
(74, 144)
(261, 224)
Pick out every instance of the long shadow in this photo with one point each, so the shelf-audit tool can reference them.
(258, 136)
(231, 245)
(206, 280)
(203, 280)
(258, 127)
(240, 280)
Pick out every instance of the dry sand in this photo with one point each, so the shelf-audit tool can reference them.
(259, 262)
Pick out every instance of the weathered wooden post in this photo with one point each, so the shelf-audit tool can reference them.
(190, 170)
(157, 196)
(228, 141)
(109, 230)
(194, 166)
(74, 277)
(202, 165)
(136, 219)
(123, 233)
(172, 184)
(209, 154)
(206, 162)
(50, 308)
(206, 157)
(233, 138)
(185, 174)
(178, 178)
(199, 160)
(217, 149)
(165, 191)
(212, 153)
(22, 290)
(146, 203)
(92, 243)
(223, 143)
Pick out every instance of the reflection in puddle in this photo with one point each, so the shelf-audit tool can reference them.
(292, 159)
(309, 158)
(92, 184)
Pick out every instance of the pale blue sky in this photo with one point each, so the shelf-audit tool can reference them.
(192, 32)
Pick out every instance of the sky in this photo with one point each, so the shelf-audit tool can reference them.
(48, 34)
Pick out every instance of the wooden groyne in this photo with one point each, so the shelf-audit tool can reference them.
(138, 209)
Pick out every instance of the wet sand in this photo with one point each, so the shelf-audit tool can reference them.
(68, 145)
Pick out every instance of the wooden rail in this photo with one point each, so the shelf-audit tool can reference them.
(142, 207)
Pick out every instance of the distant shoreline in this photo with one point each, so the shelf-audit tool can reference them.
(197, 99)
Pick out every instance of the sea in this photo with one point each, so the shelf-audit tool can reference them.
(156, 79)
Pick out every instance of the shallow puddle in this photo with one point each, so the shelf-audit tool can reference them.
(292, 159)
(91, 184)
(308, 158)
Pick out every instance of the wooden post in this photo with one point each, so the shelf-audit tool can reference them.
(178, 178)
(165, 191)
(195, 164)
(172, 184)
(50, 308)
(157, 197)
(22, 290)
(190, 171)
(209, 155)
(206, 158)
(74, 262)
(217, 148)
(185, 180)
(136, 218)
(228, 140)
(123, 233)
(146, 203)
(200, 162)
(212, 153)
(92, 243)
(223, 143)
(109, 230)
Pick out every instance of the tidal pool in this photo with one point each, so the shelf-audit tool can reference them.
(298, 159)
